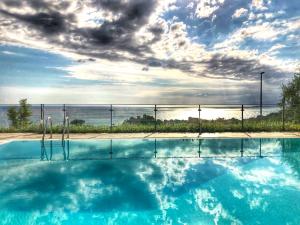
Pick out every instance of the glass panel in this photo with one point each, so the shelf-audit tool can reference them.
(180, 118)
(133, 117)
(34, 118)
(217, 118)
(93, 115)
(55, 112)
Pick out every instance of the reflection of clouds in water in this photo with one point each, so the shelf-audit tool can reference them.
(211, 206)
(43, 186)
(147, 190)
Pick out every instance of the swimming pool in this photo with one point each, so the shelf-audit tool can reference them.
(150, 181)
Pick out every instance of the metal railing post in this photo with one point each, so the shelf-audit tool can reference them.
(283, 114)
(242, 117)
(51, 132)
(155, 111)
(199, 120)
(68, 127)
(64, 110)
(44, 131)
(111, 117)
(42, 122)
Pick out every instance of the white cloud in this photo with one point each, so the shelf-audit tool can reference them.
(12, 53)
(240, 13)
(275, 48)
(206, 8)
(190, 5)
(265, 31)
(173, 7)
(258, 4)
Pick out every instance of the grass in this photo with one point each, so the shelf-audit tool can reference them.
(251, 125)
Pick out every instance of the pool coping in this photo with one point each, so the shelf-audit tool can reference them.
(7, 137)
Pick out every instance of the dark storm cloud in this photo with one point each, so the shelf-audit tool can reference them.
(223, 66)
(115, 35)
(168, 64)
(112, 5)
(240, 69)
(37, 4)
(13, 3)
(49, 23)
(119, 34)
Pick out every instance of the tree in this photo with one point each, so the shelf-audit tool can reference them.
(24, 112)
(12, 115)
(291, 96)
(20, 117)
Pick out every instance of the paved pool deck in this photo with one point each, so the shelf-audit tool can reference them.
(5, 137)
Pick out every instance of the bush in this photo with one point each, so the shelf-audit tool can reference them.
(77, 122)
(20, 118)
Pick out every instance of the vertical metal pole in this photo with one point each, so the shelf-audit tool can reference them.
(45, 130)
(64, 126)
(42, 117)
(41, 113)
(155, 111)
(200, 127)
(64, 109)
(283, 114)
(111, 117)
(242, 117)
(68, 128)
(261, 92)
(51, 132)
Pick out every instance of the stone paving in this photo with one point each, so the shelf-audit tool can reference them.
(4, 137)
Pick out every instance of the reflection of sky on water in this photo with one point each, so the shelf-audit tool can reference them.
(135, 187)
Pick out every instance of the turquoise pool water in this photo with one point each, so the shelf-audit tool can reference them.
(148, 181)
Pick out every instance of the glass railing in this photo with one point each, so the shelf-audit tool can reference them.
(163, 118)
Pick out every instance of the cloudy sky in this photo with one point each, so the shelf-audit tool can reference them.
(147, 51)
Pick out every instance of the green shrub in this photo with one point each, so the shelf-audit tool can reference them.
(20, 118)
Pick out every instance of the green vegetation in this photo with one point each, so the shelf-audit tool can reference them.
(19, 116)
(77, 122)
(291, 97)
(133, 125)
